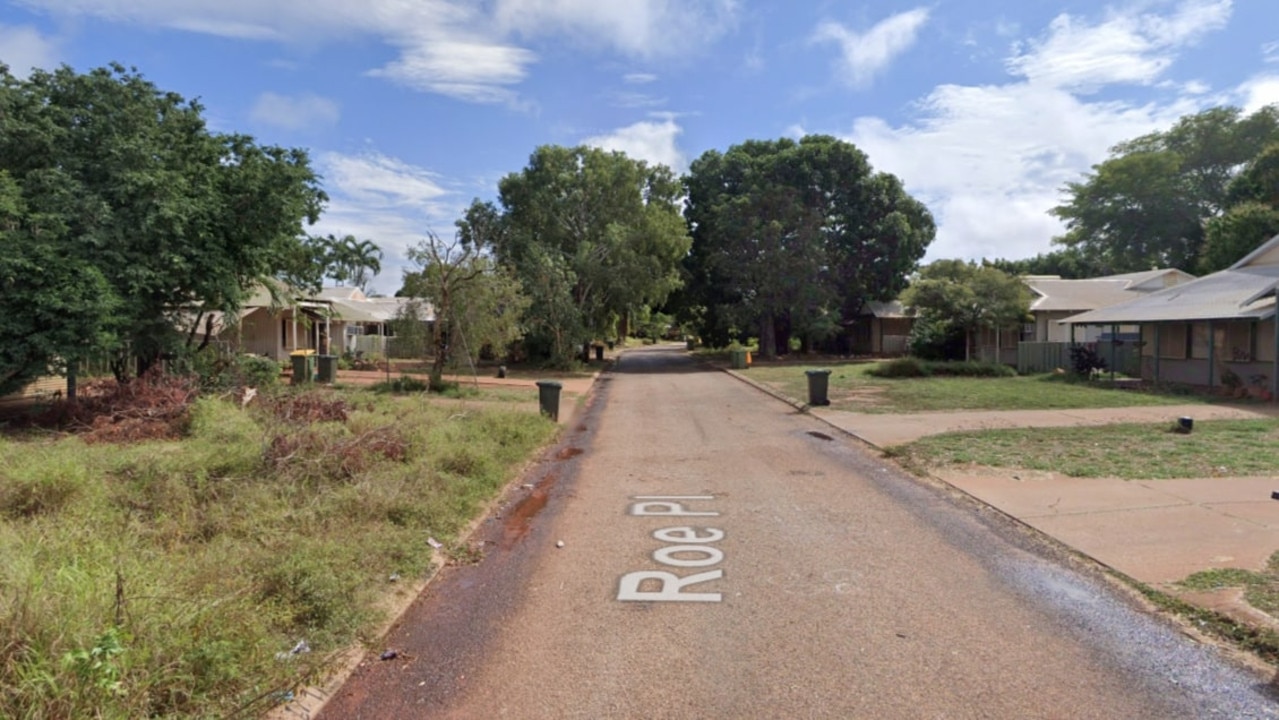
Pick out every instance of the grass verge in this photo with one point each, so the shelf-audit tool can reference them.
(1260, 589)
(853, 388)
(1133, 451)
(173, 578)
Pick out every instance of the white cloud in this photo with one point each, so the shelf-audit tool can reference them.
(865, 55)
(1260, 91)
(1270, 52)
(298, 112)
(990, 161)
(388, 201)
(457, 48)
(23, 48)
(637, 28)
(650, 140)
(477, 71)
(639, 78)
(1134, 48)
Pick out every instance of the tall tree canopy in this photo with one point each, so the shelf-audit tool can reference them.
(1148, 204)
(349, 260)
(127, 195)
(968, 296)
(796, 236)
(1252, 219)
(592, 235)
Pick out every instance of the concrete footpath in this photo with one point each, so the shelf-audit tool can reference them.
(1155, 531)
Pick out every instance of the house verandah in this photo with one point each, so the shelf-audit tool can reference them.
(1217, 332)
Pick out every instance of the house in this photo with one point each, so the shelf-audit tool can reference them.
(1217, 330)
(881, 329)
(274, 324)
(1055, 299)
(362, 323)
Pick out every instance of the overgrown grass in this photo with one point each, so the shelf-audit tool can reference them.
(853, 388)
(163, 579)
(1130, 451)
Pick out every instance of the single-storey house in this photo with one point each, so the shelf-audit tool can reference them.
(1218, 330)
(1055, 299)
(362, 323)
(881, 329)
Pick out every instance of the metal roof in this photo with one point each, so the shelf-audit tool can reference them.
(890, 309)
(1056, 294)
(1229, 294)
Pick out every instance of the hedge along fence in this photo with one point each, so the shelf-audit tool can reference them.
(1043, 357)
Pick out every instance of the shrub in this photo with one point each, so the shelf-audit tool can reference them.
(935, 339)
(910, 367)
(1085, 361)
(900, 368)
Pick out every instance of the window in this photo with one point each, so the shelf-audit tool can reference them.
(1172, 342)
(1239, 346)
(1200, 340)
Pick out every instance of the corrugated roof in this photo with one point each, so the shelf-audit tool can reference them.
(1220, 296)
(1057, 294)
(374, 310)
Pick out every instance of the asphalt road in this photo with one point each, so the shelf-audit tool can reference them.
(808, 579)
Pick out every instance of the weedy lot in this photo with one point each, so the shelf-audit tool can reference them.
(172, 578)
(852, 388)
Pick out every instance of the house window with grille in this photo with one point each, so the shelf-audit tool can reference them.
(1240, 342)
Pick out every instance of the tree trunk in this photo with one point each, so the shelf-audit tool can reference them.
(768, 337)
(968, 344)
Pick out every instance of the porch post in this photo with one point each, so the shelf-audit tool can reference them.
(1114, 336)
(295, 328)
(1158, 328)
(1212, 356)
(328, 335)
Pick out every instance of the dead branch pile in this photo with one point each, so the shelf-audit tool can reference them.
(155, 406)
(310, 455)
(309, 408)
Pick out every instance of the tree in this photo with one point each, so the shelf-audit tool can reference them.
(475, 302)
(968, 296)
(1147, 205)
(591, 234)
(53, 309)
(351, 260)
(1067, 263)
(795, 237)
(122, 178)
(1233, 235)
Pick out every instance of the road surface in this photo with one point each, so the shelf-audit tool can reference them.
(725, 556)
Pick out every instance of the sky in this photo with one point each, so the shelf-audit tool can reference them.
(413, 108)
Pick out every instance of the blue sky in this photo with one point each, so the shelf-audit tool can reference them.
(412, 108)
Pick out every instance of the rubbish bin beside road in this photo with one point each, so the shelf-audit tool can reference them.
(303, 362)
(738, 358)
(818, 383)
(548, 398)
(328, 369)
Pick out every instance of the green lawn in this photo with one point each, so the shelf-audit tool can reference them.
(1129, 451)
(852, 389)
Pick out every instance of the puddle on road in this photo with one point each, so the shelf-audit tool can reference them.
(820, 436)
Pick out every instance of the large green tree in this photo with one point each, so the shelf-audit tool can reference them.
(592, 235)
(120, 177)
(349, 260)
(967, 296)
(1252, 219)
(1148, 204)
(795, 237)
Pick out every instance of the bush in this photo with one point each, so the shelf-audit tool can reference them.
(901, 368)
(910, 367)
(1085, 361)
(934, 339)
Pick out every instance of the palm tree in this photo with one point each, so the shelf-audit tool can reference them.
(354, 261)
